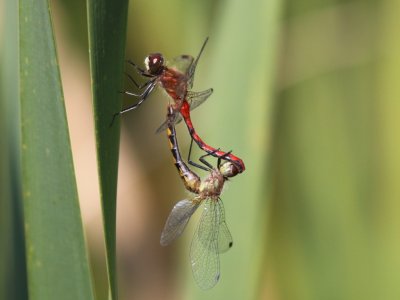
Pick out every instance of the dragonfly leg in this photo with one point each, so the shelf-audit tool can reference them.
(138, 86)
(223, 157)
(192, 162)
(142, 96)
(147, 85)
(139, 70)
(202, 158)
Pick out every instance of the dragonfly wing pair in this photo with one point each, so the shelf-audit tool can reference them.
(186, 64)
(182, 64)
(211, 238)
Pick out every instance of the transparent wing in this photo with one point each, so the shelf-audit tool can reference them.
(177, 221)
(192, 68)
(204, 253)
(175, 118)
(181, 63)
(225, 241)
(197, 98)
(194, 99)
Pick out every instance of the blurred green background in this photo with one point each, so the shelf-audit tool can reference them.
(306, 93)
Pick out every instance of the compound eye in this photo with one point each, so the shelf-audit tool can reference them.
(154, 63)
(228, 169)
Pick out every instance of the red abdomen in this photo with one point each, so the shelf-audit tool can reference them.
(185, 112)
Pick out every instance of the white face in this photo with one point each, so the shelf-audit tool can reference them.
(228, 169)
(146, 63)
(154, 63)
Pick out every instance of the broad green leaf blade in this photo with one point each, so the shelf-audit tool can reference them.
(107, 30)
(13, 281)
(57, 263)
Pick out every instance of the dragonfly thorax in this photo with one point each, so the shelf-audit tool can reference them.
(211, 187)
(154, 63)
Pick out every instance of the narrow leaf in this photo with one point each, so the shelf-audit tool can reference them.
(13, 283)
(57, 263)
(107, 29)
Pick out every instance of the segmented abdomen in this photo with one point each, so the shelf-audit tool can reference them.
(190, 179)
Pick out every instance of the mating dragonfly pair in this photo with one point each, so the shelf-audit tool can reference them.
(212, 235)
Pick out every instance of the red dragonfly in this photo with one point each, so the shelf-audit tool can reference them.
(177, 80)
(212, 235)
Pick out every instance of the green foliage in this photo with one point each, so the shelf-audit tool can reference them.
(12, 255)
(107, 30)
(57, 263)
(306, 94)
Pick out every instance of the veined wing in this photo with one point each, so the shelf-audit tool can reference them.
(177, 221)
(181, 63)
(192, 68)
(225, 241)
(194, 99)
(197, 98)
(204, 253)
(175, 118)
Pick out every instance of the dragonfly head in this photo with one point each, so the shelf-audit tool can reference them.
(228, 169)
(154, 63)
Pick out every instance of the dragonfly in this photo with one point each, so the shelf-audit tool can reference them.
(212, 236)
(177, 81)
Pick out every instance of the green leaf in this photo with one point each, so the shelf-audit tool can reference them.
(57, 262)
(107, 30)
(13, 281)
